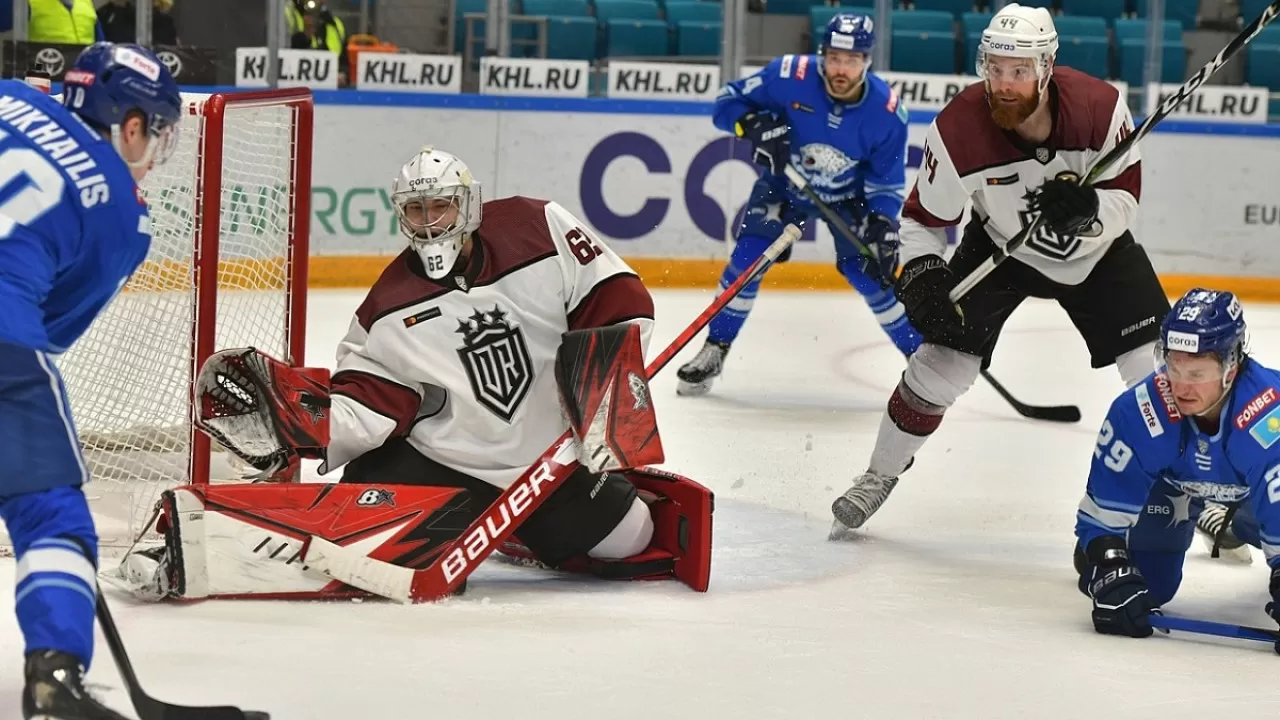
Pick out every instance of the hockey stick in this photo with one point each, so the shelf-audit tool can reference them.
(500, 520)
(1051, 413)
(1242, 632)
(147, 707)
(1168, 106)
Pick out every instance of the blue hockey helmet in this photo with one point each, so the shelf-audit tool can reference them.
(110, 80)
(1202, 322)
(849, 31)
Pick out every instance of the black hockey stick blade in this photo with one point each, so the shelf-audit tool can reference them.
(1051, 413)
(147, 707)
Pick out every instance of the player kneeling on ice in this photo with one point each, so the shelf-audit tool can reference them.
(449, 384)
(1203, 427)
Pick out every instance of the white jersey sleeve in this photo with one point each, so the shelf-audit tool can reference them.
(1118, 185)
(600, 288)
(937, 201)
(369, 400)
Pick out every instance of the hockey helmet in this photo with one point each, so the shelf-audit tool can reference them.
(1020, 32)
(429, 177)
(1202, 322)
(849, 31)
(110, 80)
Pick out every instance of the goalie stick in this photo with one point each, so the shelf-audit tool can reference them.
(1051, 413)
(147, 707)
(1168, 106)
(503, 518)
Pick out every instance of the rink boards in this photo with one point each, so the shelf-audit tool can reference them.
(664, 186)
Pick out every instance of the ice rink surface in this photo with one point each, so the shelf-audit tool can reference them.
(958, 600)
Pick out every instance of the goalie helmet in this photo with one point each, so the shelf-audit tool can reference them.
(1205, 322)
(438, 204)
(1020, 32)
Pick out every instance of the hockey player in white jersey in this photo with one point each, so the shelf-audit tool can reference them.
(1015, 145)
(447, 388)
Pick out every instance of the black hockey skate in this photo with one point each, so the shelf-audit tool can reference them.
(55, 690)
(695, 377)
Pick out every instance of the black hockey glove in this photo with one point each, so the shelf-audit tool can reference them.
(923, 289)
(1121, 604)
(1273, 607)
(769, 137)
(1068, 207)
(881, 238)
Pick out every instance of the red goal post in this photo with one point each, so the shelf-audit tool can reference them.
(227, 268)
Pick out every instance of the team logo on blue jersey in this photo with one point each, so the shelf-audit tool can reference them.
(1267, 430)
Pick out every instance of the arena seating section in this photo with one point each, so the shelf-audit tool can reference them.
(1106, 38)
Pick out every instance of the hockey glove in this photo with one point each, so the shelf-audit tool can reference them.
(1068, 207)
(769, 138)
(881, 238)
(261, 409)
(1121, 604)
(923, 289)
(1273, 607)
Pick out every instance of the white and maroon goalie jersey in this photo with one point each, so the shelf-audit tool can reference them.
(464, 367)
(968, 157)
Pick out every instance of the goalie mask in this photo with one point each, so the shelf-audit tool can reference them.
(438, 204)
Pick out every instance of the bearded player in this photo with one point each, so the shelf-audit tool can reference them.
(843, 128)
(448, 386)
(1015, 144)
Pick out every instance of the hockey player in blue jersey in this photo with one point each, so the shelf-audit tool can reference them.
(73, 228)
(845, 130)
(1203, 427)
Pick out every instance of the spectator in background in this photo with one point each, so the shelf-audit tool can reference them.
(313, 27)
(67, 22)
(120, 24)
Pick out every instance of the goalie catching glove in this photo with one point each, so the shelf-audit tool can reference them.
(262, 410)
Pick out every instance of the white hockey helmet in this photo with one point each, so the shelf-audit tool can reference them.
(1021, 32)
(432, 175)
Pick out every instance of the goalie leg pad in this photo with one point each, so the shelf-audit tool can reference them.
(681, 546)
(246, 540)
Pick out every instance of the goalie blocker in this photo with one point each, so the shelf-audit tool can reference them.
(397, 506)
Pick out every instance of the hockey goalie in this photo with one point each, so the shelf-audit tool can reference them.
(502, 326)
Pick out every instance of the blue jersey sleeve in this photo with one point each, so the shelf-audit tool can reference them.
(753, 93)
(1134, 442)
(886, 178)
(1257, 453)
(27, 269)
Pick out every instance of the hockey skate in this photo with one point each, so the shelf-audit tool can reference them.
(55, 690)
(859, 503)
(696, 376)
(1214, 529)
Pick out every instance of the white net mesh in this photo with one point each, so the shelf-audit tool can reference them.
(129, 378)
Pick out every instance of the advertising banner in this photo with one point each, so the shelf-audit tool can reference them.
(409, 73)
(672, 186)
(297, 68)
(1215, 103)
(534, 76)
(663, 81)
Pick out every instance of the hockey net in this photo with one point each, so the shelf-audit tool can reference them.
(227, 268)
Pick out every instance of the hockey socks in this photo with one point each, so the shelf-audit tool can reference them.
(892, 317)
(727, 323)
(55, 543)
